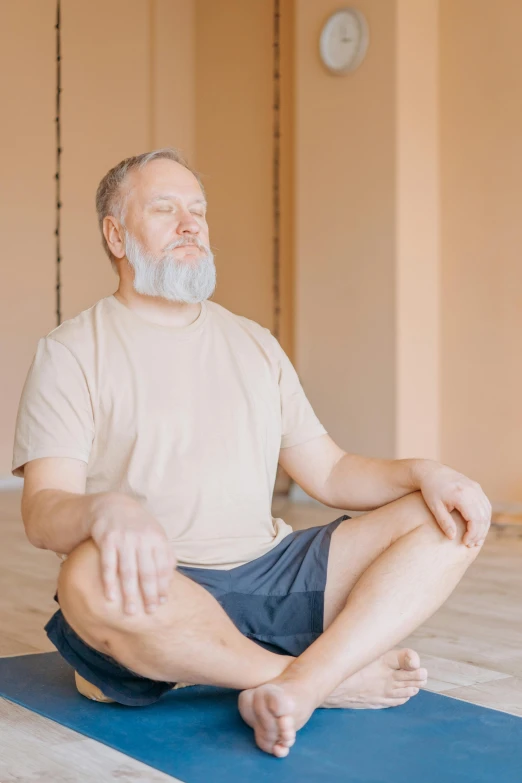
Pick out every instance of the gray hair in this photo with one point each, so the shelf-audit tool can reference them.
(110, 199)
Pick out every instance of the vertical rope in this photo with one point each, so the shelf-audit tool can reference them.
(58, 160)
(276, 207)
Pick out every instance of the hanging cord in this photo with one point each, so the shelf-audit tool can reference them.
(283, 482)
(58, 160)
(276, 208)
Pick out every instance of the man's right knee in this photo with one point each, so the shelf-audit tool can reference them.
(80, 593)
(83, 601)
(94, 617)
(79, 581)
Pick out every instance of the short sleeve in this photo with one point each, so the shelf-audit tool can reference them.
(299, 422)
(55, 416)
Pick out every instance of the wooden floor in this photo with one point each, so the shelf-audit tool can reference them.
(471, 647)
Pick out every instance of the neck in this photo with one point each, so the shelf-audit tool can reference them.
(155, 309)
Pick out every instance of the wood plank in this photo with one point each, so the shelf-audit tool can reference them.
(457, 672)
(438, 686)
(504, 695)
(10, 646)
(33, 748)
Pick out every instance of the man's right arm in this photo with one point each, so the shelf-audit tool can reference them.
(58, 515)
(56, 512)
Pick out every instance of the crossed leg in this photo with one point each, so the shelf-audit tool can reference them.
(188, 639)
(388, 571)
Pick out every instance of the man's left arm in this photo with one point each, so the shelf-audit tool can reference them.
(354, 482)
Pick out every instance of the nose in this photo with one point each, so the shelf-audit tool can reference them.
(188, 223)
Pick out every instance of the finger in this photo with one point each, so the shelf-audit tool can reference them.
(405, 693)
(445, 521)
(128, 569)
(484, 523)
(148, 577)
(477, 531)
(109, 562)
(475, 515)
(472, 527)
(412, 678)
(165, 569)
(483, 519)
(468, 512)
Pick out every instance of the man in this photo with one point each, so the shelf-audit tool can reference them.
(149, 431)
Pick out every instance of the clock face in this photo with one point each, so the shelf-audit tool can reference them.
(344, 40)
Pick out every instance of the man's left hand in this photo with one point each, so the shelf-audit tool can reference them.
(444, 490)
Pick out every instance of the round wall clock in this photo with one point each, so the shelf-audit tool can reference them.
(344, 40)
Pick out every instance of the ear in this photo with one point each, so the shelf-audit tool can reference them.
(113, 233)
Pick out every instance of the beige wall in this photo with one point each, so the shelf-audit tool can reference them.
(154, 73)
(400, 195)
(234, 148)
(408, 278)
(123, 94)
(27, 180)
(345, 232)
(481, 146)
(105, 118)
(417, 252)
(367, 227)
(128, 81)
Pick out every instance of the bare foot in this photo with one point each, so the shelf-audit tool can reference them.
(269, 710)
(387, 682)
(278, 709)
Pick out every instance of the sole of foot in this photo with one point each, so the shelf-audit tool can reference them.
(275, 716)
(390, 681)
(269, 711)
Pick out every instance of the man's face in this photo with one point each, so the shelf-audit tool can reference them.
(165, 204)
(166, 233)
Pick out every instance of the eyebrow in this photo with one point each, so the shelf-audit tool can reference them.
(169, 197)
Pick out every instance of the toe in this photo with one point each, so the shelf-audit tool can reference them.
(274, 725)
(286, 725)
(264, 719)
(405, 693)
(414, 677)
(408, 659)
(264, 742)
(278, 702)
(286, 735)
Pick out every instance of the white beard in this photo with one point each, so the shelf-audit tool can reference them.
(169, 278)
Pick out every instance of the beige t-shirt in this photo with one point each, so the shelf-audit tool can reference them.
(189, 420)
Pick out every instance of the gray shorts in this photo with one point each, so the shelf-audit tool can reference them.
(277, 600)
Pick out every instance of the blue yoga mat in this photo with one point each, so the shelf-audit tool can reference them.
(197, 735)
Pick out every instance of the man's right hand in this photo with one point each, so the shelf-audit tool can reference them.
(136, 556)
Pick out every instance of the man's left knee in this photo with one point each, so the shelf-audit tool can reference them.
(460, 525)
(428, 518)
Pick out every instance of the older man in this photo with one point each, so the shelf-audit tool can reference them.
(148, 433)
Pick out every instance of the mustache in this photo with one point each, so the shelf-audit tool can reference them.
(183, 243)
